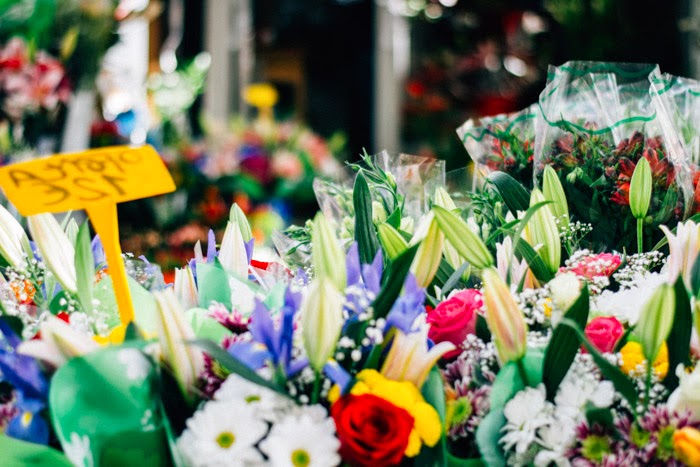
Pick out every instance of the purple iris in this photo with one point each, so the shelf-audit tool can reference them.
(30, 387)
(407, 307)
(364, 282)
(271, 344)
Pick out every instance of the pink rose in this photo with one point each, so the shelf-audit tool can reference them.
(453, 319)
(602, 264)
(604, 332)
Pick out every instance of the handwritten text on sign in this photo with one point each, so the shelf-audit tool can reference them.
(73, 181)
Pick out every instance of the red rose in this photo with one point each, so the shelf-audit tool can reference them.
(455, 318)
(372, 431)
(604, 332)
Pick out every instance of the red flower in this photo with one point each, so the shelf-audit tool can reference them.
(453, 319)
(372, 431)
(604, 332)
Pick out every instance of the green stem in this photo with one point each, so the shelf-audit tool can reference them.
(648, 387)
(317, 388)
(640, 233)
(523, 373)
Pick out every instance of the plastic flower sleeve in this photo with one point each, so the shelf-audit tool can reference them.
(416, 178)
(596, 121)
(681, 98)
(501, 143)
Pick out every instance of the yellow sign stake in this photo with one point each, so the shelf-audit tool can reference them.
(94, 180)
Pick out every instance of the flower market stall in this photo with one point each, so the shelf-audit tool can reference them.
(546, 317)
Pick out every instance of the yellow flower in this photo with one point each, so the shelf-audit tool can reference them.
(261, 95)
(633, 361)
(547, 306)
(427, 428)
(686, 444)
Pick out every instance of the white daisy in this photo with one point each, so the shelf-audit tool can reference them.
(526, 413)
(269, 405)
(223, 434)
(301, 441)
(627, 303)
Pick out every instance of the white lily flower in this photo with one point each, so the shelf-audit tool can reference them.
(687, 394)
(56, 249)
(507, 263)
(13, 240)
(59, 343)
(683, 250)
(185, 287)
(184, 359)
(409, 358)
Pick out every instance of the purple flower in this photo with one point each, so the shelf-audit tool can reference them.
(272, 343)
(407, 307)
(30, 388)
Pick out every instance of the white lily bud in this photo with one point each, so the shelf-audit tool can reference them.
(13, 240)
(327, 256)
(59, 343)
(185, 288)
(232, 255)
(56, 249)
(321, 321)
(185, 361)
(429, 253)
(239, 219)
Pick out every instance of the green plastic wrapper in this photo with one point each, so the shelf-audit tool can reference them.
(105, 408)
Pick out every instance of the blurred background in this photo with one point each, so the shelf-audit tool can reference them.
(247, 101)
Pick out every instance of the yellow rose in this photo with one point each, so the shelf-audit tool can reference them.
(686, 444)
(427, 427)
(633, 360)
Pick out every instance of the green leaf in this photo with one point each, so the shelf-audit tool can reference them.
(564, 346)
(434, 394)
(622, 383)
(600, 416)
(394, 219)
(513, 193)
(232, 364)
(534, 261)
(21, 453)
(678, 340)
(695, 277)
(455, 279)
(454, 461)
(365, 233)
(445, 273)
(395, 277)
(213, 284)
(110, 397)
(84, 267)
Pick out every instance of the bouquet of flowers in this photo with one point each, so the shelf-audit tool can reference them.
(596, 122)
(399, 341)
(680, 96)
(502, 143)
(49, 50)
(34, 90)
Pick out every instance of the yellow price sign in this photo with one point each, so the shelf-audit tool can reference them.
(94, 180)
